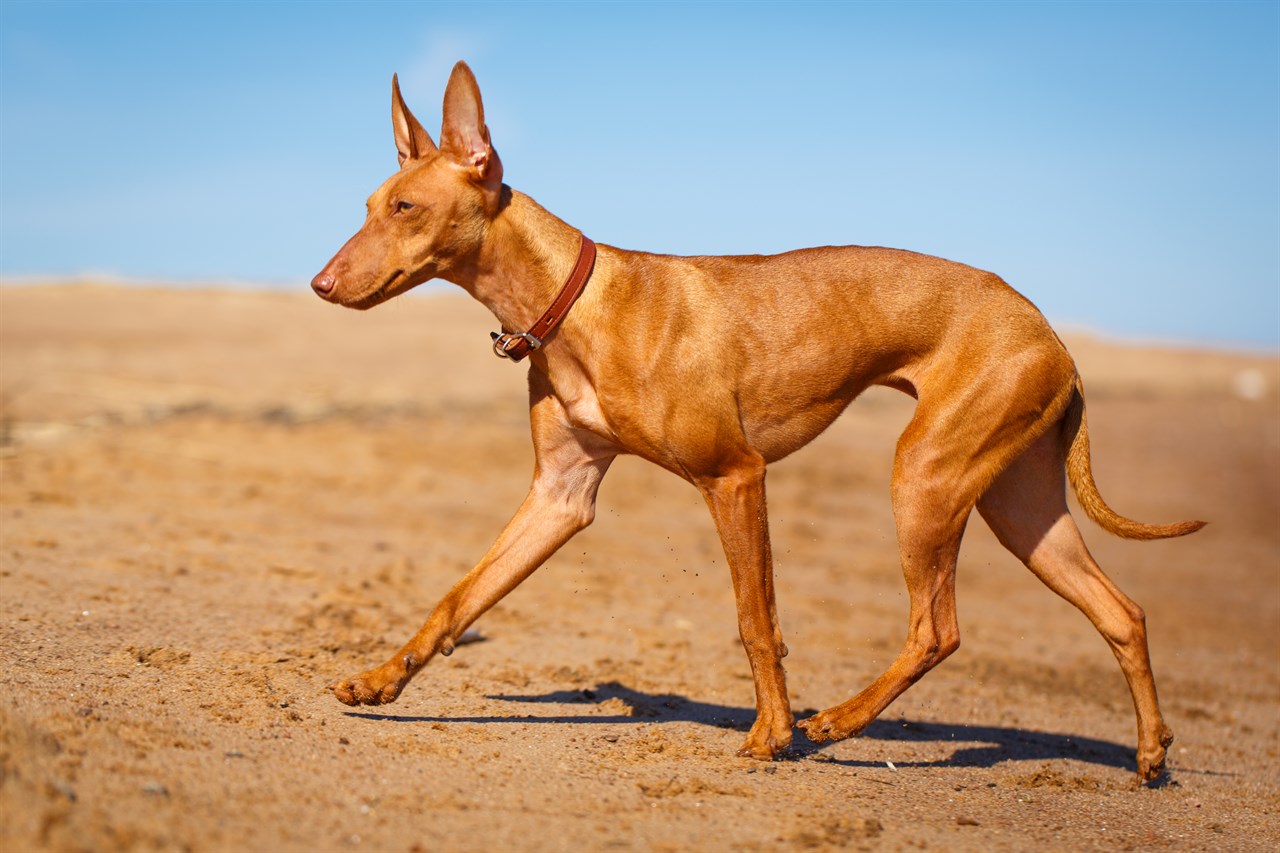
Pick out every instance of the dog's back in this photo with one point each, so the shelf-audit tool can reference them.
(806, 331)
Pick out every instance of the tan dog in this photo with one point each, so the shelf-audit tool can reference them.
(713, 367)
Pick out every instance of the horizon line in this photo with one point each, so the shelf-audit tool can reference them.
(435, 287)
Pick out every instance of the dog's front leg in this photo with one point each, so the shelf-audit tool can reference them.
(561, 502)
(737, 501)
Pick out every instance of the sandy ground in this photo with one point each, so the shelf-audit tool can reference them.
(213, 504)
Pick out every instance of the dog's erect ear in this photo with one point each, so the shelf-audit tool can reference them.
(412, 140)
(464, 136)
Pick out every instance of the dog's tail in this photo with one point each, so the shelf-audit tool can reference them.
(1075, 436)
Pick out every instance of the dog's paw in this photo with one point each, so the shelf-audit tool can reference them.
(1151, 761)
(766, 742)
(1150, 772)
(375, 687)
(825, 727)
(766, 751)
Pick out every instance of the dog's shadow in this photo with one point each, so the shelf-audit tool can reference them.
(979, 746)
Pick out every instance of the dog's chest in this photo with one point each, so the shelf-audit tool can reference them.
(585, 413)
(582, 407)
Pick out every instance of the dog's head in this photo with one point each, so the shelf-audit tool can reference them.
(428, 219)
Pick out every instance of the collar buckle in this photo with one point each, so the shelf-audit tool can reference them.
(504, 342)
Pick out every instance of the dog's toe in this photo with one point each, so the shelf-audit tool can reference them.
(811, 731)
(766, 742)
(819, 729)
(342, 692)
(375, 687)
(759, 753)
(355, 692)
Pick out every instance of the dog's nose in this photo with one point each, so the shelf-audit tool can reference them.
(323, 283)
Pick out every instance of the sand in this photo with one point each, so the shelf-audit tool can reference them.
(215, 503)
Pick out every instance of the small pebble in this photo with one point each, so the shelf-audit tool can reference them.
(64, 789)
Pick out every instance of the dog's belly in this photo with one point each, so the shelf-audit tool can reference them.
(777, 433)
(783, 411)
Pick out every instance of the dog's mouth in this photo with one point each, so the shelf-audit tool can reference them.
(393, 286)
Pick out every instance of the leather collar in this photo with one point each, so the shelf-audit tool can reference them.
(517, 345)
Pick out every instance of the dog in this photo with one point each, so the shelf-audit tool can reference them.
(714, 367)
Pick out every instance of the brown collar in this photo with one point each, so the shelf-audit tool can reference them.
(516, 345)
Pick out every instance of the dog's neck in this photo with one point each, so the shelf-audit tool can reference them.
(526, 255)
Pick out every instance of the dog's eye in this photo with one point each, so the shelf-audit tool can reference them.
(401, 207)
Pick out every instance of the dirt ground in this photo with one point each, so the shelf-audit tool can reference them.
(214, 503)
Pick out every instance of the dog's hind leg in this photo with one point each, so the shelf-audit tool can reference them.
(1026, 508)
(930, 513)
(956, 443)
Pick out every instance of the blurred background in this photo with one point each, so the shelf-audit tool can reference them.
(1116, 162)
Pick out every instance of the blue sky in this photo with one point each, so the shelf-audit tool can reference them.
(1117, 162)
